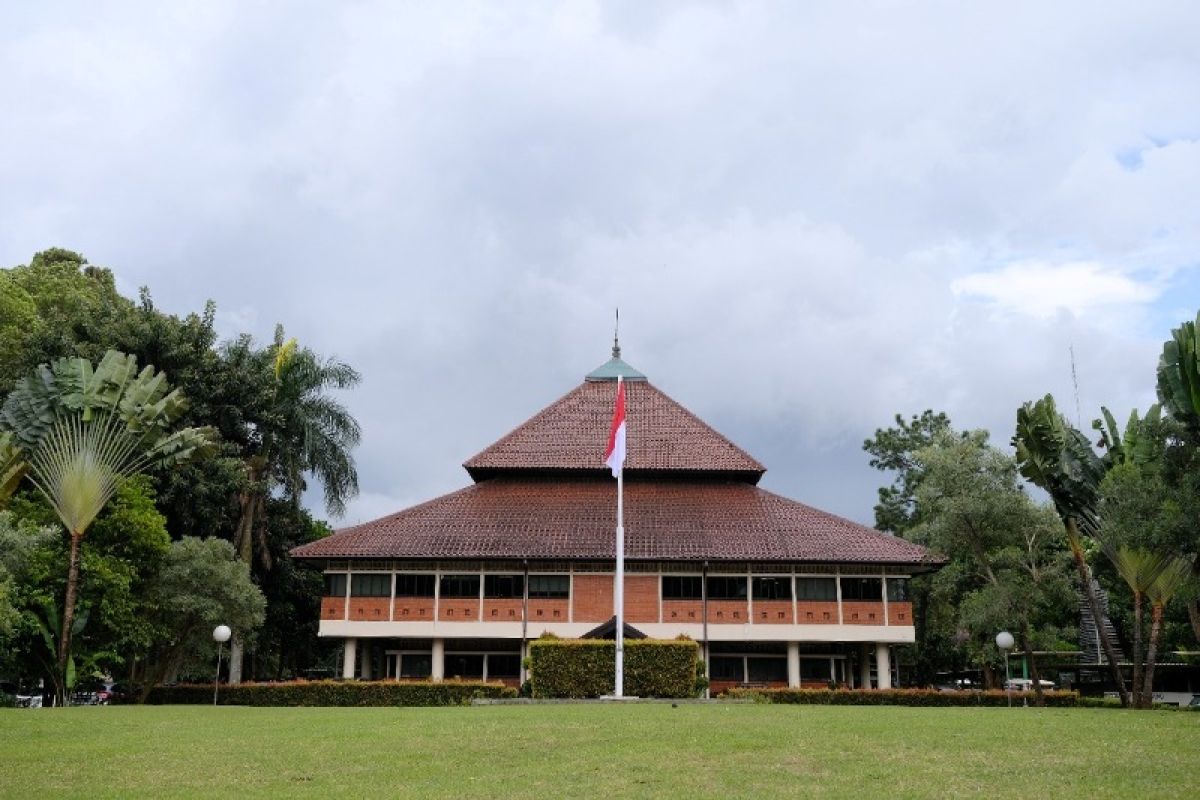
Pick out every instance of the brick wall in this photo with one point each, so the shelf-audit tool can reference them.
(371, 609)
(773, 612)
(683, 611)
(549, 611)
(333, 607)
(862, 613)
(413, 609)
(593, 597)
(641, 598)
(728, 612)
(464, 610)
(816, 613)
(900, 614)
(503, 610)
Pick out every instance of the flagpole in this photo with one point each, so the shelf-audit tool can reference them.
(619, 581)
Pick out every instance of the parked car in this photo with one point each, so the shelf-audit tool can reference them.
(1026, 685)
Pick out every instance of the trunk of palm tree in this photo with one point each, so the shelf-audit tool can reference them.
(1152, 655)
(1139, 701)
(68, 619)
(1027, 642)
(1085, 578)
(1193, 607)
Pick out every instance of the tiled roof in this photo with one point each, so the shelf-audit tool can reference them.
(571, 433)
(514, 518)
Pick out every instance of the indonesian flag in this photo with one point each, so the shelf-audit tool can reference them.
(614, 457)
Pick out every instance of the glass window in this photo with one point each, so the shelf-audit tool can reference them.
(550, 586)
(416, 665)
(814, 669)
(727, 668)
(727, 587)
(408, 585)
(335, 585)
(767, 669)
(464, 665)
(865, 589)
(682, 587)
(773, 588)
(504, 665)
(816, 589)
(504, 587)
(898, 590)
(376, 585)
(459, 586)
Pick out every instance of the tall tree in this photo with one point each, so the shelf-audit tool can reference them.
(894, 450)
(83, 432)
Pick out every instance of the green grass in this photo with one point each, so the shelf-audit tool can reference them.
(598, 751)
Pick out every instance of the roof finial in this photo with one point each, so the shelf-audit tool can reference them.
(616, 328)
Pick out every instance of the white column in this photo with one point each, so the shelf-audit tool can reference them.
(864, 667)
(794, 665)
(348, 657)
(883, 665)
(439, 660)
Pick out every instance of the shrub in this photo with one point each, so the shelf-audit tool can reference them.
(332, 693)
(899, 697)
(586, 668)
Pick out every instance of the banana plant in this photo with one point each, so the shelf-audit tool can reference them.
(82, 432)
(1179, 376)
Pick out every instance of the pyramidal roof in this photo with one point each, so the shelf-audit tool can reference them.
(570, 434)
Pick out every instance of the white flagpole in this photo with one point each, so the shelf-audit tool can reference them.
(619, 579)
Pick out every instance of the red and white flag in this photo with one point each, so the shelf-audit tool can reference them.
(614, 457)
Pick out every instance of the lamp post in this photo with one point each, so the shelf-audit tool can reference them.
(1004, 640)
(221, 634)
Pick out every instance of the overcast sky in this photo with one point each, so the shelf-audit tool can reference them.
(812, 215)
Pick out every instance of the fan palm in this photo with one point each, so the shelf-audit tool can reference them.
(82, 431)
(1140, 569)
(1160, 592)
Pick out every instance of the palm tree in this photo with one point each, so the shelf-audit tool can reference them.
(1140, 569)
(1160, 592)
(12, 465)
(1053, 455)
(304, 431)
(81, 433)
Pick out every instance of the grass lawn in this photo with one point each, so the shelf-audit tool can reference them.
(598, 752)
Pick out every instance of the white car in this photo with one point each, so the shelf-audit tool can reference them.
(1026, 685)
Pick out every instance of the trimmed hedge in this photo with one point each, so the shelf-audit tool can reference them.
(332, 693)
(900, 697)
(586, 668)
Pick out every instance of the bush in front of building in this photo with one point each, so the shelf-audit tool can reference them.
(900, 697)
(332, 693)
(585, 668)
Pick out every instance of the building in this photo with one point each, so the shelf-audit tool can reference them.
(775, 592)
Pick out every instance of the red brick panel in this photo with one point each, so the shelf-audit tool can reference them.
(773, 612)
(413, 609)
(593, 597)
(682, 611)
(900, 614)
(728, 612)
(856, 612)
(464, 610)
(717, 687)
(811, 612)
(641, 598)
(374, 609)
(502, 610)
(333, 608)
(549, 610)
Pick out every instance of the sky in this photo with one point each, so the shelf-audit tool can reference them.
(812, 216)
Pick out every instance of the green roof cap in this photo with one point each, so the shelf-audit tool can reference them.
(614, 367)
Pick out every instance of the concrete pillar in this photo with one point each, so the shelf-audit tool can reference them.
(439, 660)
(883, 665)
(349, 655)
(794, 665)
(864, 667)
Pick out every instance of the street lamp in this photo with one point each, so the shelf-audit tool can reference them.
(1004, 640)
(221, 634)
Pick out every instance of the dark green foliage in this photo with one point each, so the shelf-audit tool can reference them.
(900, 697)
(333, 693)
(586, 667)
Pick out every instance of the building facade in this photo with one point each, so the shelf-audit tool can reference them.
(776, 592)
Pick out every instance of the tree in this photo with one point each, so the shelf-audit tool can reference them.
(894, 450)
(202, 584)
(1053, 455)
(83, 432)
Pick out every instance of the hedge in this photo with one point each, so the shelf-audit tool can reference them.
(900, 697)
(586, 668)
(332, 693)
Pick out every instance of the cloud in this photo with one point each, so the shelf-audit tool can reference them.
(1042, 290)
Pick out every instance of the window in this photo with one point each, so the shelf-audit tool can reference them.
(823, 590)
(335, 585)
(773, 588)
(408, 585)
(503, 587)
(463, 665)
(459, 586)
(868, 589)
(682, 587)
(503, 665)
(767, 669)
(549, 587)
(370, 585)
(898, 590)
(727, 587)
(416, 665)
(727, 668)
(814, 669)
